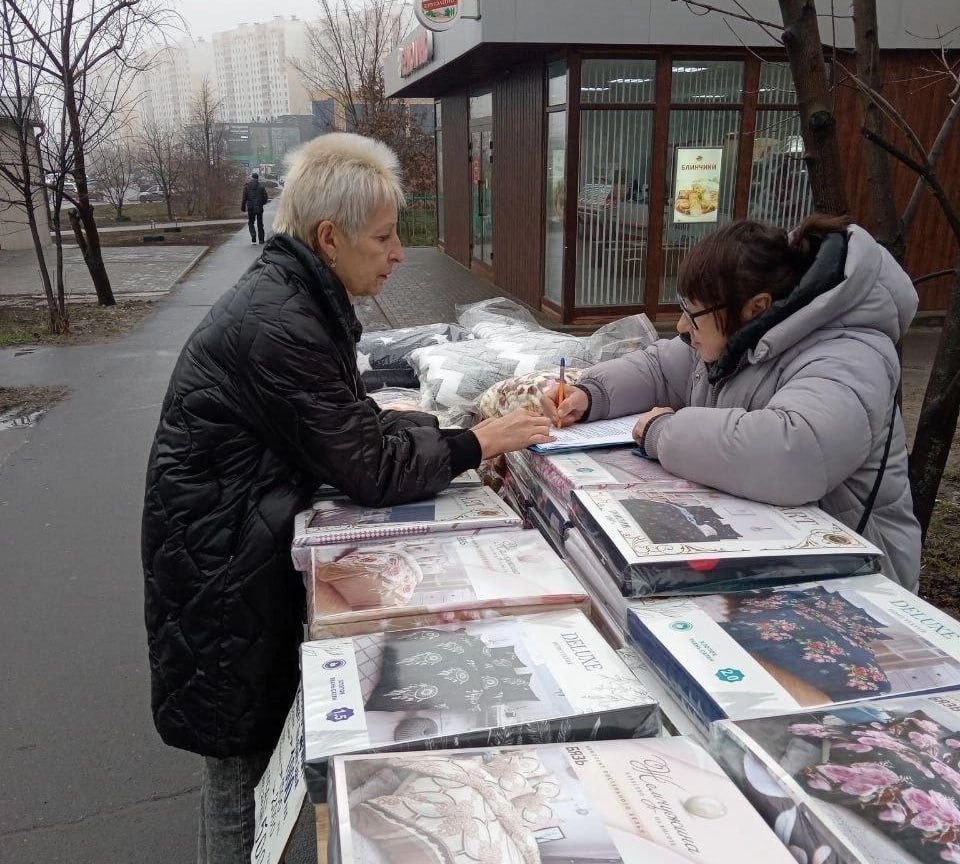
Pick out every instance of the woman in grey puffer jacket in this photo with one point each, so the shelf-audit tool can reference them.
(781, 386)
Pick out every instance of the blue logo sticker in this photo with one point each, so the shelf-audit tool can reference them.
(731, 676)
(338, 714)
(334, 664)
(681, 625)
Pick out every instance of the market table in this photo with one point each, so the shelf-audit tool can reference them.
(323, 830)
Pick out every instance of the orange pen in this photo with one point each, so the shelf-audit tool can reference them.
(561, 392)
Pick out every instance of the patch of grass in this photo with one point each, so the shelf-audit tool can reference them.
(29, 324)
(940, 572)
(201, 235)
(141, 214)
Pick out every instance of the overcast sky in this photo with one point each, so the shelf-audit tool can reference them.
(206, 17)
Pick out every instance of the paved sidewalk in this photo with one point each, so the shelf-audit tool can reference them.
(428, 287)
(146, 271)
(85, 778)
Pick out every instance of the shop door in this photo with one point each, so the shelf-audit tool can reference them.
(481, 180)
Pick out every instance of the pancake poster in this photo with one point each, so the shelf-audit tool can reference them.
(696, 190)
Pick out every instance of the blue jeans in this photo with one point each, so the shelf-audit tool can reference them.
(228, 814)
(227, 817)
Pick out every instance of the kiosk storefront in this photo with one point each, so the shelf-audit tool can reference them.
(581, 155)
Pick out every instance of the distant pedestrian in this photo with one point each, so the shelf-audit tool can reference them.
(254, 198)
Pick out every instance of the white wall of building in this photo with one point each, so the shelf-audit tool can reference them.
(14, 224)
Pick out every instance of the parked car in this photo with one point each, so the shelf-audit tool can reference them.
(69, 186)
(148, 196)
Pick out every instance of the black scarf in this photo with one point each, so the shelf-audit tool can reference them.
(824, 274)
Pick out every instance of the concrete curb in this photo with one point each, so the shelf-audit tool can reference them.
(188, 268)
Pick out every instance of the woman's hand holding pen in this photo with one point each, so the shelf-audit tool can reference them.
(563, 411)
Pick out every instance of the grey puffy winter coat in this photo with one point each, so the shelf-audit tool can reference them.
(798, 408)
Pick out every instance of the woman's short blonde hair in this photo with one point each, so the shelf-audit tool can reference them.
(338, 177)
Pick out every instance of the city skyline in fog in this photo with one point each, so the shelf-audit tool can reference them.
(213, 16)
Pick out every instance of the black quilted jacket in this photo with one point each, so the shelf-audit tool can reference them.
(264, 404)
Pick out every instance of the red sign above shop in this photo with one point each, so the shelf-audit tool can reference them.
(416, 53)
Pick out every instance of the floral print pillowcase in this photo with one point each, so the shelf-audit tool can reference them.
(815, 635)
(899, 774)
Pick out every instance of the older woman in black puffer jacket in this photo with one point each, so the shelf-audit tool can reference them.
(265, 404)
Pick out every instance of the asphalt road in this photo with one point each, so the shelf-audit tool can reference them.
(83, 775)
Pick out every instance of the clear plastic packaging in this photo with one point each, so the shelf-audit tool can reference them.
(747, 654)
(870, 782)
(382, 354)
(499, 311)
(332, 521)
(521, 391)
(455, 376)
(639, 801)
(414, 581)
(512, 680)
(623, 336)
(613, 468)
(397, 398)
(655, 542)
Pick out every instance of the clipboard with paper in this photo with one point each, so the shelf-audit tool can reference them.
(590, 436)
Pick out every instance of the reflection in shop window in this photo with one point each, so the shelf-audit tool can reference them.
(779, 185)
(706, 82)
(439, 125)
(713, 130)
(604, 81)
(556, 209)
(776, 85)
(557, 83)
(612, 206)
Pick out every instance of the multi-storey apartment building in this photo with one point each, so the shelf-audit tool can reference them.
(170, 85)
(257, 80)
(250, 70)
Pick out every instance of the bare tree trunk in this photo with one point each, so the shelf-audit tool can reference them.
(58, 318)
(801, 37)
(74, 218)
(61, 303)
(938, 415)
(93, 256)
(887, 227)
(55, 311)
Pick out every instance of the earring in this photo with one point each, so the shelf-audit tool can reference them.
(333, 263)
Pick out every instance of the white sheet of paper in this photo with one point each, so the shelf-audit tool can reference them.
(279, 794)
(582, 436)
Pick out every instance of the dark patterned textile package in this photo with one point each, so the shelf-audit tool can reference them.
(748, 654)
(513, 680)
(382, 354)
(695, 542)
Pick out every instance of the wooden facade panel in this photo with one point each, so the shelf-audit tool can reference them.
(456, 177)
(924, 104)
(518, 183)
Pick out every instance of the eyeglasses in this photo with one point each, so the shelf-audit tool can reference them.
(692, 316)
